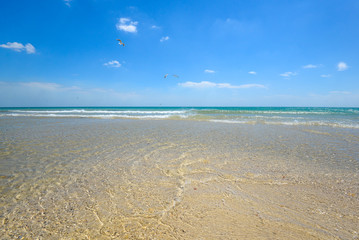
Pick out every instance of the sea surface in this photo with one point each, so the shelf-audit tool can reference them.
(319, 116)
(179, 173)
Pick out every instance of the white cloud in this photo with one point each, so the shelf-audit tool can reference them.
(30, 48)
(325, 75)
(209, 71)
(41, 85)
(155, 27)
(288, 74)
(340, 92)
(203, 84)
(47, 86)
(252, 72)
(125, 24)
(206, 84)
(342, 66)
(310, 66)
(164, 38)
(67, 2)
(113, 63)
(14, 94)
(19, 47)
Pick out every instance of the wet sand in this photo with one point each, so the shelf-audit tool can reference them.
(168, 179)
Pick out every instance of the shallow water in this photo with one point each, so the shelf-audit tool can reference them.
(75, 178)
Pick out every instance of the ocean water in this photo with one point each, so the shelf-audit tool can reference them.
(179, 173)
(335, 117)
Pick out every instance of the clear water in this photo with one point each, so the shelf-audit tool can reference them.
(81, 173)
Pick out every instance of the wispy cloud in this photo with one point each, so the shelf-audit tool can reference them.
(311, 66)
(325, 75)
(127, 25)
(155, 27)
(342, 66)
(288, 74)
(166, 38)
(113, 63)
(53, 94)
(52, 87)
(340, 92)
(206, 84)
(42, 85)
(19, 47)
(30, 48)
(209, 71)
(252, 72)
(67, 2)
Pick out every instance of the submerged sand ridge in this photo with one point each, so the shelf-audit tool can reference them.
(133, 179)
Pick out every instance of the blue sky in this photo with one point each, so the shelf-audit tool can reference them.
(225, 53)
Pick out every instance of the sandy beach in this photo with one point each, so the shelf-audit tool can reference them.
(67, 178)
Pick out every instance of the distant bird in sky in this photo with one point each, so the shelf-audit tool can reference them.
(120, 42)
(174, 75)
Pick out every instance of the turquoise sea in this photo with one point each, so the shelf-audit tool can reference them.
(311, 116)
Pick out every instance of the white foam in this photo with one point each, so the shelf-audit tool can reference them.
(99, 111)
(293, 123)
(105, 116)
(229, 121)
